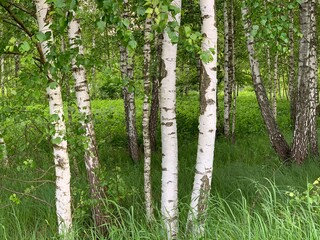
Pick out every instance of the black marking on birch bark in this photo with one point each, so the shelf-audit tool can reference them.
(167, 124)
(204, 85)
(203, 197)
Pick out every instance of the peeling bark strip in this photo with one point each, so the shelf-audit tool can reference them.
(207, 123)
(126, 68)
(169, 181)
(84, 105)
(61, 159)
(276, 138)
(145, 120)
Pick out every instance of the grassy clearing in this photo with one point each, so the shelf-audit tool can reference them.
(248, 198)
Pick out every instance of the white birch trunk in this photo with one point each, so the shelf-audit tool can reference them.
(3, 148)
(145, 120)
(274, 87)
(61, 159)
(84, 105)
(207, 122)
(227, 69)
(169, 180)
(2, 77)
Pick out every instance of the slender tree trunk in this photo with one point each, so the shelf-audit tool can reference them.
(292, 79)
(145, 120)
(84, 105)
(234, 111)
(274, 86)
(126, 66)
(154, 112)
(233, 73)
(61, 159)
(2, 85)
(169, 181)
(207, 123)
(276, 138)
(3, 147)
(269, 83)
(302, 130)
(313, 81)
(227, 69)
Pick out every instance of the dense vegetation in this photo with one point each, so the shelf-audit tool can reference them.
(251, 191)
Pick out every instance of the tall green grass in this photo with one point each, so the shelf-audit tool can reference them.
(248, 199)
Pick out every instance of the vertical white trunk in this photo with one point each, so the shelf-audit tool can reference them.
(169, 181)
(84, 106)
(274, 86)
(61, 159)
(2, 76)
(126, 67)
(3, 148)
(145, 120)
(207, 122)
(227, 70)
(313, 81)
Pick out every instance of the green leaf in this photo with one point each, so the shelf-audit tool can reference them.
(53, 85)
(126, 23)
(56, 140)
(140, 11)
(206, 56)
(132, 44)
(24, 47)
(101, 26)
(41, 36)
(149, 11)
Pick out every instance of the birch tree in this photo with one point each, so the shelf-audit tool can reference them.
(126, 67)
(207, 120)
(276, 138)
(227, 67)
(61, 159)
(169, 180)
(305, 123)
(84, 105)
(146, 118)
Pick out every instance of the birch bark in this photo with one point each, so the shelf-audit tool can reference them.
(228, 67)
(61, 159)
(145, 119)
(84, 105)
(300, 135)
(292, 79)
(275, 136)
(274, 86)
(207, 122)
(169, 181)
(313, 81)
(126, 67)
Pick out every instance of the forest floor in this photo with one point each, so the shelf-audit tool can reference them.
(254, 196)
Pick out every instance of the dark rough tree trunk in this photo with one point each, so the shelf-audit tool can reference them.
(277, 140)
(154, 111)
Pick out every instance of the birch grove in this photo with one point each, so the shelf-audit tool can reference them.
(207, 121)
(169, 140)
(84, 105)
(60, 152)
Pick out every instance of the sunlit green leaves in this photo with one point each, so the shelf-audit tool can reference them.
(24, 47)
